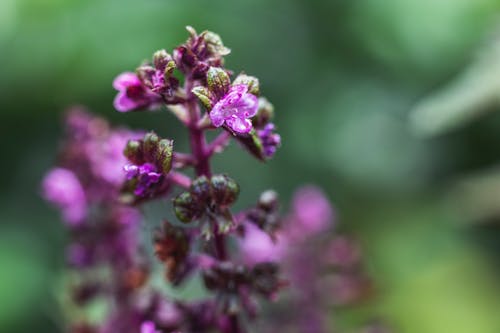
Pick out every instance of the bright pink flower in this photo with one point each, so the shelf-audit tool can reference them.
(235, 109)
(132, 94)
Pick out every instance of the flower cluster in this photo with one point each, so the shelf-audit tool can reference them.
(104, 175)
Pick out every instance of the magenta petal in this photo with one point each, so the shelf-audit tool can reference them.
(217, 115)
(239, 125)
(123, 103)
(124, 80)
(148, 327)
(62, 188)
(247, 106)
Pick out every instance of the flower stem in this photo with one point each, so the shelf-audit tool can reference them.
(202, 152)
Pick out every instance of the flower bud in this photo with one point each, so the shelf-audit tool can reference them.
(265, 113)
(225, 190)
(161, 58)
(268, 200)
(200, 189)
(187, 208)
(164, 153)
(251, 81)
(151, 140)
(203, 95)
(133, 151)
(214, 44)
(218, 81)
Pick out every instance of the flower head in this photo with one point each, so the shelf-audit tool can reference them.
(148, 327)
(270, 141)
(235, 109)
(62, 188)
(146, 175)
(312, 211)
(258, 247)
(132, 94)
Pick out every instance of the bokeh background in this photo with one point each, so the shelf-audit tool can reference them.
(389, 105)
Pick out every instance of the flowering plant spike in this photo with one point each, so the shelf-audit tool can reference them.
(104, 175)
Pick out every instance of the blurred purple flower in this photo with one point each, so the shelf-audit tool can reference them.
(148, 327)
(132, 94)
(62, 188)
(235, 109)
(257, 246)
(312, 211)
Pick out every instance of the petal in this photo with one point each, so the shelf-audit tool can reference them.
(240, 125)
(247, 106)
(123, 103)
(217, 115)
(124, 80)
(238, 89)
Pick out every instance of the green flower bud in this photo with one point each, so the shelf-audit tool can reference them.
(186, 207)
(214, 44)
(225, 190)
(163, 155)
(200, 189)
(251, 81)
(203, 95)
(150, 145)
(133, 151)
(218, 81)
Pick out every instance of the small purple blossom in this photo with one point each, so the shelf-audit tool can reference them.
(145, 174)
(258, 247)
(235, 109)
(132, 94)
(148, 327)
(312, 212)
(270, 140)
(62, 188)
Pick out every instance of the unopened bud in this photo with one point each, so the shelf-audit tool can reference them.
(225, 190)
(200, 189)
(264, 114)
(203, 95)
(164, 153)
(133, 151)
(161, 58)
(250, 81)
(214, 44)
(218, 81)
(186, 207)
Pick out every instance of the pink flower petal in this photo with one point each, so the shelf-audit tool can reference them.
(124, 80)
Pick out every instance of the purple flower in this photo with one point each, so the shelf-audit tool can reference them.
(258, 247)
(235, 109)
(146, 175)
(312, 212)
(62, 188)
(132, 94)
(270, 140)
(148, 327)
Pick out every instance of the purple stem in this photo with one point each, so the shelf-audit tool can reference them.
(180, 179)
(219, 143)
(202, 152)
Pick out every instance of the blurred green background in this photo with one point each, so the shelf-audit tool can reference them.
(390, 105)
